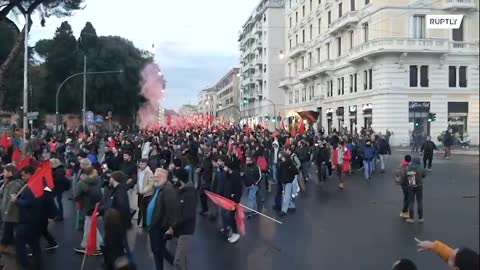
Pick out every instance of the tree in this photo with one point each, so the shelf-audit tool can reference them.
(46, 8)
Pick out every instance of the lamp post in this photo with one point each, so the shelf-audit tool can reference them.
(74, 75)
(274, 111)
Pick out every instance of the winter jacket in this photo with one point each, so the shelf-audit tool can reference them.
(367, 152)
(165, 213)
(443, 251)
(251, 174)
(347, 156)
(9, 209)
(304, 154)
(323, 155)
(118, 200)
(29, 208)
(89, 192)
(418, 171)
(232, 188)
(383, 147)
(185, 225)
(206, 170)
(130, 169)
(49, 208)
(428, 147)
(60, 179)
(147, 183)
(287, 171)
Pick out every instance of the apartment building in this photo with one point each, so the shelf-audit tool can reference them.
(227, 97)
(261, 43)
(188, 110)
(206, 101)
(373, 63)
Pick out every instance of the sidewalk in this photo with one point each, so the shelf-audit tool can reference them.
(471, 151)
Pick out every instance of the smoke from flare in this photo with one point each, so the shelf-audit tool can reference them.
(152, 86)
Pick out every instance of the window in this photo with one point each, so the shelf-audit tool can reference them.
(355, 82)
(290, 4)
(318, 55)
(290, 19)
(457, 34)
(296, 96)
(413, 76)
(303, 36)
(419, 26)
(370, 79)
(319, 26)
(311, 32)
(303, 11)
(351, 39)
(328, 51)
(296, 66)
(304, 94)
(296, 39)
(329, 18)
(330, 88)
(367, 2)
(352, 5)
(452, 76)
(365, 32)
(365, 80)
(339, 46)
(289, 69)
(302, 63)
(309, 59)
(290, 97)
(311, 5)
(265, 18)
(415, 73)
(351, 83)
(424, 76)
(290, 44)
(311, 92)
(338, 86)
(462, 76)
(265, 68)
(296, 17)
(343, 85)
(340, 10)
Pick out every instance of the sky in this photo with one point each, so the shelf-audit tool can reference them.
(195, 41)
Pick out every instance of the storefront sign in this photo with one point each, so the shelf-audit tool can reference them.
(352, 109)
(340, 111)
(367, 106)
(329, 110)
(457, 114)
(419, 105)
(455, 123)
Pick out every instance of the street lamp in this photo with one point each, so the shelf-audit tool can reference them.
(74, 75)
(274, 108)
(281, 55)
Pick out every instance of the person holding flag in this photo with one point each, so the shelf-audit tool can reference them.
(231, 189)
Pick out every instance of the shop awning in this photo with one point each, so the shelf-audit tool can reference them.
(310, 116)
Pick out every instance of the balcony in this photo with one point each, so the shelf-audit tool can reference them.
(297, 50)
(285, 82)
(258, 61)
(435, 46)
(317, 69)
(258, 28)
(258, 44)
(347, 20)
(258, 76)
(459, 4)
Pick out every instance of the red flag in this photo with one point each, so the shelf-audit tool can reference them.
(239, 219)
(301, 129)
(294, 132)
(35, 183)
(46, 171)
(24, 163)
(91, 247)
(16, 157)
(275, 134)
(111, 144)
(221, 201)
(169, 120)
(4, 141)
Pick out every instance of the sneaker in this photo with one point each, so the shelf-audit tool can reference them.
(204, 213)
(98, 253)
(292, 210)
(51, 247)
(422, 220)
(281, 214)
(410, 220)
(404, 215)
(234, 238)
(340, 185)
(79, 249)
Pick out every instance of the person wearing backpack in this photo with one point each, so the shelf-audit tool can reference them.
(414, 177)
(288, 173)
(89, 192)
(252, 176)
(304, 154)
(297, 183)
(402, 181)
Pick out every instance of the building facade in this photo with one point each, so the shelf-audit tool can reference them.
(207, 99)
(227, 97)
(261, 69)
(188, 110)
(362, 63)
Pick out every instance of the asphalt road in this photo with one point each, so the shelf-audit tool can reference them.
(358, 228)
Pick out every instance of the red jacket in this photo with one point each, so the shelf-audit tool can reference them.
(347, 156)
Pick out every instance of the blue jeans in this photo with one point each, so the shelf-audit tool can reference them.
(287, 197)
(275, 172)
(278, 196)
(306, 169)
(368, 168)
(252, 197)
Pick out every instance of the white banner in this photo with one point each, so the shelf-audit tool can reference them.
(444, 21)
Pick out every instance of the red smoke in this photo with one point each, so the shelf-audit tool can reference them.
(153, 85)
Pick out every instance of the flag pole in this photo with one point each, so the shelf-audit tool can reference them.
(83, 260)
(261, 214)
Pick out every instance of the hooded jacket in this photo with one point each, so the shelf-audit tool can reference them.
(415, 168)
(89, 192)
(9, 209)
(187, 196)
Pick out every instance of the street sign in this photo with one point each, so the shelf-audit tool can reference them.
(99, 119)
(32, 115)
(89, 117)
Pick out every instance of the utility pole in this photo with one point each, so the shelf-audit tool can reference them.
(25, 81)
(84, 109)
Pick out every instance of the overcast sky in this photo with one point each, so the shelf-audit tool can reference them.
(196, 41)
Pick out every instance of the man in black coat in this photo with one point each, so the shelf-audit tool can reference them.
(129, 167)
(427, 151)
(232, 190)
(185, 226)
(205, 172)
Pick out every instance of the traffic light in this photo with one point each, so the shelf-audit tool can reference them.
(432, 117)
(267, 117)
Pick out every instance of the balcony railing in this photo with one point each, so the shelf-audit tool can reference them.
(316, 69)
(297, 50)
(459, 4)
(350, 18)
(286, 81)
